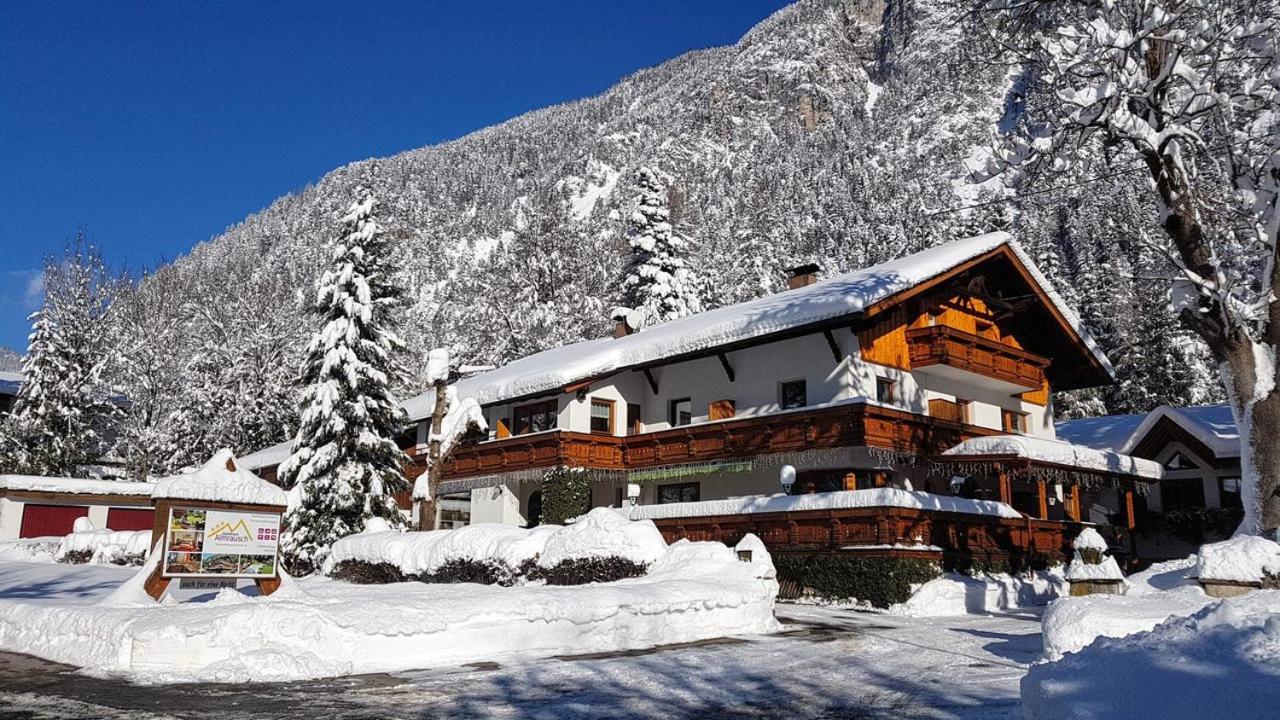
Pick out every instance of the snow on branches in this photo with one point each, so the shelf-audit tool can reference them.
(657, 281)
(346, 466)
(1184, 98)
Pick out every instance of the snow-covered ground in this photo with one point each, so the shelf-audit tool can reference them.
(827, 662)
(318, 627)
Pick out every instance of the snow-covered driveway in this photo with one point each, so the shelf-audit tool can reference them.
(829, 662)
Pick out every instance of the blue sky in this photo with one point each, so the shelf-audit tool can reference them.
(155, 126)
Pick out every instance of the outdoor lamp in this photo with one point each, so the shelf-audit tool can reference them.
(633, 492)
(787, 476)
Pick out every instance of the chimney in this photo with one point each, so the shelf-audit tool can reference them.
(802, 276)
(621, 329)
(625, 321)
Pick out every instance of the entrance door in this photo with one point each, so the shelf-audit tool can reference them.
(43, 520)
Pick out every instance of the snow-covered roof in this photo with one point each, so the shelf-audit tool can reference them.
(1213, 425)
(267, 457)
(1057, 452)
(214, 482)
(10, 382)
(1109, 432)
(873, 497)
(82, 486)
(837, 297)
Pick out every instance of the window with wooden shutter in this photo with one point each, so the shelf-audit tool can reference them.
(601, 416)
(720, 409)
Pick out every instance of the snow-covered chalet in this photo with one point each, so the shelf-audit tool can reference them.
(925, 380)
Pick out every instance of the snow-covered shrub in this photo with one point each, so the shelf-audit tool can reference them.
(581, 571)
(604, 533)
(1093, 565)
(466, 570)
(566, 494)
(76, 557)
(880, 581)
(1244, 559)
(359, 572)
(115, 547)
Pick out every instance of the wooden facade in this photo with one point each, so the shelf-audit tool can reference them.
(852, 425)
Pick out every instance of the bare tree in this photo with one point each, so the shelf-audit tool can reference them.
(1184, 97)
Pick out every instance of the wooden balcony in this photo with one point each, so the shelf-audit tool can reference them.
(946, 347)
(948, 410)
(851, 425)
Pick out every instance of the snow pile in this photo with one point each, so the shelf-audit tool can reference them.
(600, 533)
(1089, 542)
(426, 552)
(107, 546)
(1244, 558)
(214, 482)
(1056, 452)
(30, 550)
(320, 627)
(1161, 592)
(604, 533)
(1221, 660)
(956, 594)
(874, 497)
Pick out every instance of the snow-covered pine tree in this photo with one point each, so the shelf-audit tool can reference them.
(63, 417)
(346, 466)
(657, 280)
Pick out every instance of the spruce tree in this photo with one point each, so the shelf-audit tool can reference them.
(63, 416)
(657, 281)
(346, 466)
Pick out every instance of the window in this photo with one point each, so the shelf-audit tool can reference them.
(602, 416)
(1014, 422)
(634, 426)
(680, 492)
(1179, 462)
(1181, 494)
(680, 412)
(533, 418)
(792, 394)
(1230, 494)
(886, 390)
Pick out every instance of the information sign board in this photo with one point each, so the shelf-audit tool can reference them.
(221, 543)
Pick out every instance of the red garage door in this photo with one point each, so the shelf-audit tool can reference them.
(130, 519)
(41, 520)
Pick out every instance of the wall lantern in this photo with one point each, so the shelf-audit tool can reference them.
(787, 476)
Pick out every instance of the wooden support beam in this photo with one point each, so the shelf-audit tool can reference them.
(1128, 510)
(1075, 503)
(1006, 490)
(1044, 499)
(831, 343)
(653, 384)
(728, 369)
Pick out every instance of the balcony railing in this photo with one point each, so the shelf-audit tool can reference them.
(850, 425)
(943, 345)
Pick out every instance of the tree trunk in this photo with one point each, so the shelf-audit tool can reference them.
(1249, 368)
(427, 508)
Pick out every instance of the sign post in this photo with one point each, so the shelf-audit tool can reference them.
(208, 541)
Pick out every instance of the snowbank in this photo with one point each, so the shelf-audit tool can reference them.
(1162, 591)
(30, 550)
(1244, 558)
(599, 533)
(108, 546)
(319, 627)
(1057, 452)
(1221, 660)
(875, 497)
(956, 594)
(213, 481)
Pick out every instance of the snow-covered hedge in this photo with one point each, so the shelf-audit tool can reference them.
(117, 547)
(1245, 558)
(956, 594)
(510, 553)
(1218, 661)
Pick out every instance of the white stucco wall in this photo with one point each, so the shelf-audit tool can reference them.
(10, 518)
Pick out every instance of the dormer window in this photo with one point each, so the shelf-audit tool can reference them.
(792, 394)
(886, 391)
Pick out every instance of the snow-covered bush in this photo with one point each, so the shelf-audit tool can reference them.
(1092, 563)
(116, 547)
(956, 594)
(880, 581)
(1244, 559)
(602, 546)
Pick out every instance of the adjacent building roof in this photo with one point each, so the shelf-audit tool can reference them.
(1213, 425)
(73, 486)
(1056, 453)
(834, 299)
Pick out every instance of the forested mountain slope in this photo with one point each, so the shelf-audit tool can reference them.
(833, 132)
